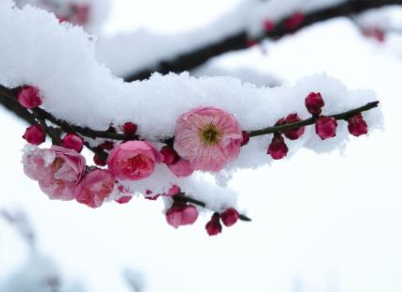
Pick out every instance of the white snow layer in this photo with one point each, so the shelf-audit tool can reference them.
(127, 53)
(59, 59)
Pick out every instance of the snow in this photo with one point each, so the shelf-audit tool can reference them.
(76, 88)
(320, 223)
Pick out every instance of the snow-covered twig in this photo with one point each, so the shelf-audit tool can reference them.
(241, 40)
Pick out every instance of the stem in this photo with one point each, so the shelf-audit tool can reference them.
(312, 120)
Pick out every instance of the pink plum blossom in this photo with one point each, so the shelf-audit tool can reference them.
(181, 214)
(208, 138)
(95, 187)
(58, 170)
(133, 160)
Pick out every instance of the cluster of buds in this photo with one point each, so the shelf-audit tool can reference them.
(325, 126)
(182, 213)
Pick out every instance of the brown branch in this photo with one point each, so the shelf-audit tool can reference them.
(240, 41)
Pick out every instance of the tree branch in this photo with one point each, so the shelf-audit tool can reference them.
(240, 41)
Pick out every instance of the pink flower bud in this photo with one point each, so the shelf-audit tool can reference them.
(325, 127)
(29, 97)
(72, 141)
(94, 188)
(181, 214)
(181, 168)
(375, 33)
(230, 217)
(357, 126)
(268, 26)
(277, 149)
(124, 200)
(35, 135)
(173, 191)
(294, 21)
(246, 138)
(130, 129)
(169, 155)
(295, 133)
(314, 103)
(214, 226)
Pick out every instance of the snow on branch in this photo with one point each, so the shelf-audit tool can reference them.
(137, 56)
(163, 137)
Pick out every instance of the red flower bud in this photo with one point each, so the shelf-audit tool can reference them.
(35, 135)
(246, 138)
(107, 145)
(295, 133)
(251, 43)
(314, 103)
(72, 141)
(357, 126)
(214, 226)
(181, 214)
(229, 217)
(268, 26)
(98, 160)
(277, 149)
(130, 129)
(170, 156)
(29, 97)
(375, 33)
(325, 127)
(294, 21)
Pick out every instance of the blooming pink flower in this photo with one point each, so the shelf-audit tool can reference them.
(214, 226)
(95, 187)
(58, 170)
(181, 168)
(357, 126)
(133, 160)
(29, 97)
(277, 149)
(314, 103)
(181, 214)
(208, 138)
(72, 141)
(325, 127)
(35, 135)
(229, 217)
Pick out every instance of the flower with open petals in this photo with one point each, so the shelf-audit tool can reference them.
(58, 170)
(133, 160)
(208, 138)
(95, 187)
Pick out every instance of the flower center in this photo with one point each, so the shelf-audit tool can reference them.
(57, 164)
(138, 162)
(210, 135)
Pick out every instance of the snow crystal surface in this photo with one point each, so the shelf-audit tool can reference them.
(60, 61)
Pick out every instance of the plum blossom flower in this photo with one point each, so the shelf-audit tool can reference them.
(181, 168)
(95, 187)
(208, 138)
(58, 170)
(181, 214)
(133, 160)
